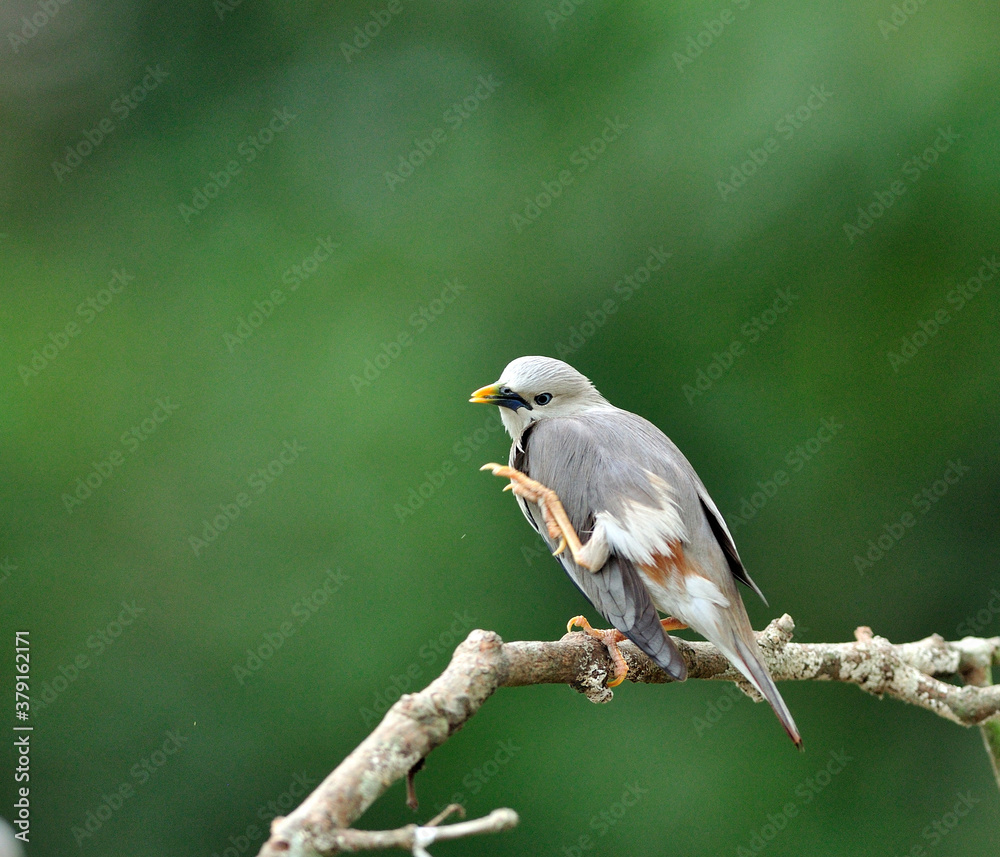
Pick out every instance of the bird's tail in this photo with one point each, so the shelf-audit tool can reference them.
(746, 658)
(653, 640)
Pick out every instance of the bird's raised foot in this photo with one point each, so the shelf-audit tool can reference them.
(611, 637)
(672, 624)
(556, 520)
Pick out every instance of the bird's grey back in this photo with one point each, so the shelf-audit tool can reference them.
(598, 461)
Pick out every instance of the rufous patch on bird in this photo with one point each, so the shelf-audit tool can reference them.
(667, 567)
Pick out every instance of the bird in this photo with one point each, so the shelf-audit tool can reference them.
(655, 542)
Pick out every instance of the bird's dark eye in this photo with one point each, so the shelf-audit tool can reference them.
(543, 398)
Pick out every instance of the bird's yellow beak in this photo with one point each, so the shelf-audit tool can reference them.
(486, 395)
(497, 394)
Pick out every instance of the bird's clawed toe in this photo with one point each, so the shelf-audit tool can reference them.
(611, 637)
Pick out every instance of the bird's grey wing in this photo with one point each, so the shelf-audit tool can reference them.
(643, 441)
(718, 524)
(725, 540)
(566, 456)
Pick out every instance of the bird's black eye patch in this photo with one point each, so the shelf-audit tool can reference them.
(543, 398)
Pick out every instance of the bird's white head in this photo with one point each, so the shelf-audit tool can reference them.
(537, 388)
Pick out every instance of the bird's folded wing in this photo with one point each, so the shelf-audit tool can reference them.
(615, 468)
(602, 467)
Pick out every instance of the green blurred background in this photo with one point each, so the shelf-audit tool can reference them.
(171, 176)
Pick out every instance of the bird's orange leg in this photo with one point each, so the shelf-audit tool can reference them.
(611, 637)
(556, 520)
(672, 624)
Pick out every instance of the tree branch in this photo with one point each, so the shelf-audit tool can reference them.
(420, 722)
(417, 839)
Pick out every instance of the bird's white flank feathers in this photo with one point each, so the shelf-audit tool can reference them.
(642, 531)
